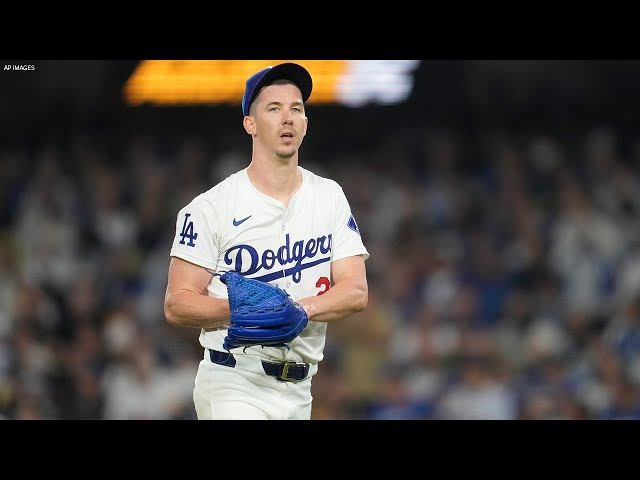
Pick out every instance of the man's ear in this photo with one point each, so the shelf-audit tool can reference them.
(249, 125)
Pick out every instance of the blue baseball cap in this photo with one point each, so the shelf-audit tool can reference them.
(291, 71)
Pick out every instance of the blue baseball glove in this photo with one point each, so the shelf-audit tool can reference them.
(261, 313)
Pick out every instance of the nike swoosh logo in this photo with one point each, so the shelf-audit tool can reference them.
(238, 222)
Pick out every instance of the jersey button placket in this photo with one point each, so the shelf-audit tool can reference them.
(282, 237)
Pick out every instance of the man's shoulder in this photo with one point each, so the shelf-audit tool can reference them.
(320, 180)
(224, 185)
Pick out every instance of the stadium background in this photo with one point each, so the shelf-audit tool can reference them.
(499, 202)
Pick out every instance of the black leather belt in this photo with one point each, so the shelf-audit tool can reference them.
(286, 372)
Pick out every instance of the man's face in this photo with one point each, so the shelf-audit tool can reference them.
(280, 120)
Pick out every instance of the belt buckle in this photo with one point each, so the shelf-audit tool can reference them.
(285, 371)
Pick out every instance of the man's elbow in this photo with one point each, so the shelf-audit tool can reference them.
(362, 300)
(169, 312)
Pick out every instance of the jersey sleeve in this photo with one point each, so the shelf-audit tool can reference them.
(195, 239)
(346, 241)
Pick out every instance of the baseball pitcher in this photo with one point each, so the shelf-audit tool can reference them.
(263, 261)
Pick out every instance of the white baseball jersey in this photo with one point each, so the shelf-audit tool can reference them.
(233, 226)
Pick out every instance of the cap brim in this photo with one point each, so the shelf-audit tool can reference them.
(290, 71)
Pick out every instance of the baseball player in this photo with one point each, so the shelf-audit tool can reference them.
(279, 223)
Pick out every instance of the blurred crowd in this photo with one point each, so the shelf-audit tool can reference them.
(504, 278)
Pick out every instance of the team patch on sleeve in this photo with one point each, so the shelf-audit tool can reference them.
(353, 225)
(187, 232)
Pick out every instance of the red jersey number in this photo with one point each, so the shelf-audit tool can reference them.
(323, 282)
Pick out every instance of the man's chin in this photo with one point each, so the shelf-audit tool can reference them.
(286, 153)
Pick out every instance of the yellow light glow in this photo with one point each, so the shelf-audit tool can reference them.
(181, 82)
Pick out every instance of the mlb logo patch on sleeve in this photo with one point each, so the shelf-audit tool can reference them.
(353, 225)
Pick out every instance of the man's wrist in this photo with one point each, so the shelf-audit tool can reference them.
(309, 309)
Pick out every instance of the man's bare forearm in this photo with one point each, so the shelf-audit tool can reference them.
(343, 299)
(185, 308)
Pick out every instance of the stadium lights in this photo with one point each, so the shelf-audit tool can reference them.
(352, 83)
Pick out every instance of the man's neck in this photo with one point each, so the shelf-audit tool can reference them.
(277, 178)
